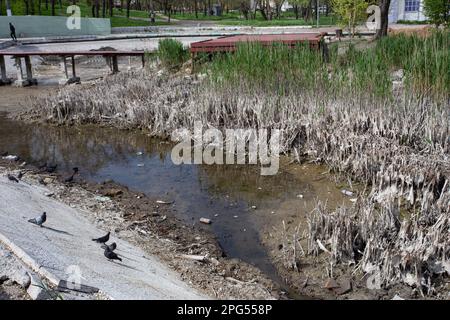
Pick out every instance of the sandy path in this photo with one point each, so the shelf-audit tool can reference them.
(66, 241)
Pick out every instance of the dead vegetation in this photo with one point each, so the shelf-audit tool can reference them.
(398, 146)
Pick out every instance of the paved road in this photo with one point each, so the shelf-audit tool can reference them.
(66, 241)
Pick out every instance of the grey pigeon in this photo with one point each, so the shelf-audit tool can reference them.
(39, 220)
(111, 255)
(12, 178)
(111, 246)
(103, 239)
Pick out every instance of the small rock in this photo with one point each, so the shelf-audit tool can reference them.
(205, 220)
(345, 286)
(49, 194)
(36, 292)
(48, 180)
(347, 192)
(254, 207)
(102, 199)
(397, 297)
(112, 192)
(300, 196)
(22, 278)
(331, 284)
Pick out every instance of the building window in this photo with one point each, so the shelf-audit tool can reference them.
(412, 5)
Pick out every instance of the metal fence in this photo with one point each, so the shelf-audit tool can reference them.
(43, 26)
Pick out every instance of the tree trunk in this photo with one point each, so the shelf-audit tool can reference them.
(53, 7)
(26, 7)
(383, 30)
(111, 8)
(196, 9)
(103, 8)
(128, 8)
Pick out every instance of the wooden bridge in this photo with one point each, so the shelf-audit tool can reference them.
(230, 43)
(27, 78)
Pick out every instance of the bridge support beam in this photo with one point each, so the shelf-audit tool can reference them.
(115, 65)
(4, 79)
(29, 80)
(68, 79)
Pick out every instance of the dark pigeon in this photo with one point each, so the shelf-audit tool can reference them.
(111, 255)
(12, 178)
(103, 239)
(20, 175)
(70, 179)
(4, 154)
(111, 246)
(39, 220)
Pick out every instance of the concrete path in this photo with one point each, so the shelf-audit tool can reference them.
(65, 241)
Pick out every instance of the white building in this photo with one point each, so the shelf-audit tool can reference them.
(411, 10)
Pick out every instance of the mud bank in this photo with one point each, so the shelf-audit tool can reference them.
(144, 222)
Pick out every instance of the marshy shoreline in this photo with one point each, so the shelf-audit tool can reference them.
(386, 127)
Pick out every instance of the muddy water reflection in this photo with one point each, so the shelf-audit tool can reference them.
(224, 194)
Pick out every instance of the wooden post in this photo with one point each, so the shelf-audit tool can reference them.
(115, 65)
(74, 73)
(143, 60)
(66, 72)
(4, 79)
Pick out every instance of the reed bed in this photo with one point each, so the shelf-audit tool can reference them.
(344, 113)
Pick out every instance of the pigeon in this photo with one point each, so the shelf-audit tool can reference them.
(111, 255)
(39, 220)
(111, 247)
(12, 178)
(20, 175)
(103, 239)
(4, 154)
(70, 179)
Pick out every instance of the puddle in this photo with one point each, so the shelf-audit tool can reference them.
(225, 194)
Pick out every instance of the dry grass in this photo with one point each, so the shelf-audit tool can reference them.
(399, 146)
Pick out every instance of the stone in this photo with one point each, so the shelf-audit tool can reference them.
(205, 220)
(112, 192)
(331, 284)
(345, 286)
(21, 277)
(36, 292)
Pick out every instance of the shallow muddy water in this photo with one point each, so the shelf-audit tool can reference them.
(225, 194)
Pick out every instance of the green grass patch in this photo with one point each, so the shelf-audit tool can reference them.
(171, 53)
(426, 65)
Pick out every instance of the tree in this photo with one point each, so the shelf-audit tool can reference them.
(53, 3)
(351, 12)
(384, 16)
(437, 11)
